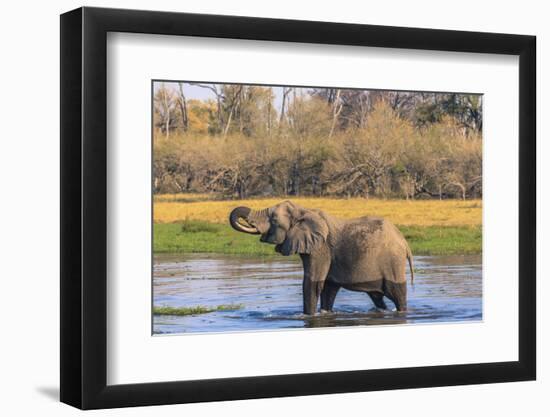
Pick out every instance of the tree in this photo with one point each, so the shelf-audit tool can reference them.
(182, 102)
(337, 107)
(232, 100)
(286, 92)
(217, 121)
(164, 103)
(309, 116)
(199, 115)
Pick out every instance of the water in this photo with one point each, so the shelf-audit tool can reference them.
(446, 289)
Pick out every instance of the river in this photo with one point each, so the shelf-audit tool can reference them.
(269, 291)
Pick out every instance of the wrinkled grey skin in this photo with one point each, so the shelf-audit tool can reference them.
(366, 254)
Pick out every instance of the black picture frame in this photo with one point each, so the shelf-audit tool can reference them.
(84, 207)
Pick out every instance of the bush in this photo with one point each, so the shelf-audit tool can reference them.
(389, 157)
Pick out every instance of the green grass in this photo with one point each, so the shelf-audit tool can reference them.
(188, 311)
(443, 240)
(204, 237)
(197, 226)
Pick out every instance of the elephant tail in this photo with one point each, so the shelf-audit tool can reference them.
(410, 259)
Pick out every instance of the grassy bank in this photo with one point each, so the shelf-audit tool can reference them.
(198, 223)
(189, 311)
(204, 237)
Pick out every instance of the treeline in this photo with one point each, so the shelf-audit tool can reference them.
(320, 142)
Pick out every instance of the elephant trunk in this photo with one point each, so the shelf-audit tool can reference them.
(242, 213)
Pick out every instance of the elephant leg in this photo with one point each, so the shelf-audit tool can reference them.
(311, 292)
(328, 295)
(378, 299)
(397, 293)
(316, 268)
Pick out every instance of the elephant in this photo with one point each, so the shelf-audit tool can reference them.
(366, 254)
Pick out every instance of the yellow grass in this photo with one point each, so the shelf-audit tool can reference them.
(186, 198)
(179, 207)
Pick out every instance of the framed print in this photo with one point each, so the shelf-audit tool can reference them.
(255, 208)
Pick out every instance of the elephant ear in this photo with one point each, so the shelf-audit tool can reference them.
(308, 232)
